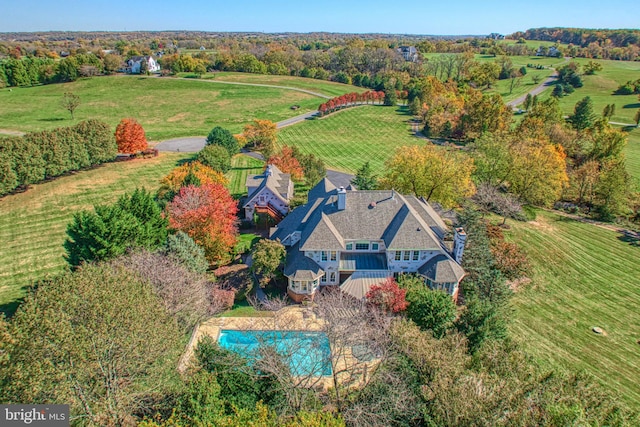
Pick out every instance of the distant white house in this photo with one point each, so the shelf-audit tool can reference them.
(409, 53)
(134, 64)
(551, 51)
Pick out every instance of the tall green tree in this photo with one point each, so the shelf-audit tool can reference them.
(224, 138)
(134, 220)
(583, 116)
(267, 256)
(216, 157)
(365, 179)
(429, 309)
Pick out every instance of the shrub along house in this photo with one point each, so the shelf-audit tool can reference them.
(355, 239)
(268, 193)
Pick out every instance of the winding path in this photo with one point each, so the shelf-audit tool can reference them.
(540, 88)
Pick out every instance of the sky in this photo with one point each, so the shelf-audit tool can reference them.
(443, 17)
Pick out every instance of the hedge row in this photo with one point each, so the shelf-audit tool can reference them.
(38, 156)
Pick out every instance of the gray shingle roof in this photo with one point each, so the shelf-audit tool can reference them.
(300, 267)
(369, 215)
(279, 183)
(442, 269)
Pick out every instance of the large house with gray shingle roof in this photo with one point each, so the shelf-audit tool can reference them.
(269, 193)
(355, 239)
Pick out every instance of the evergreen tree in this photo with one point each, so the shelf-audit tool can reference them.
(133, 221)
(583, 116)
(224, 138)
(365, 179)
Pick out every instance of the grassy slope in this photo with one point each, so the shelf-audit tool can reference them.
(583, 276)
(600, 88)
(242, 166)
(33, 223)
(349, 138)
(34, 237)
(320, 86)
(632, 153)
(165, 107)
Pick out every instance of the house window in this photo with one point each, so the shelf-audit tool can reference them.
(406, 255)
(398, 255)
(362, 246)
(323, 256)
(349, 246)
(324, 278)
(374, 246)
(416, 255)
(333, 277)
(334, 256)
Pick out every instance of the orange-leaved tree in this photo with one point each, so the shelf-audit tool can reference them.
(262, 135)
(193, 171)
(208, 215)
(130, 137)
(287, 163)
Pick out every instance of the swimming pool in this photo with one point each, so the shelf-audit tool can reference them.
(306, 352)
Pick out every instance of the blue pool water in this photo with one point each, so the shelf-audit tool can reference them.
(306, 352)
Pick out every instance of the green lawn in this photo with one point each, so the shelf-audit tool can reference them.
(245, 241)
(165, 107)
(600, 88)
(347, 139)
(583, 276)
(502, 87)
(33, 223)
(242, 166)
(632, 154)
(320, 86)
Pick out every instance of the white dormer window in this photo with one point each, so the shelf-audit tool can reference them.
(362, 246)
(416, 255)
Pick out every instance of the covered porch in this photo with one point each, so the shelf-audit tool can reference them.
(353, 262)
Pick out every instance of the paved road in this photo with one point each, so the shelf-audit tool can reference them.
(196, 143)
(549, 81)
(535, 91)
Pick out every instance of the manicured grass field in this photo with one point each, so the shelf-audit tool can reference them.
(165, 107)
(583, 276)
(347, 139)
(242, 166)
(33, 223)
(320, 86)
(600, 88)
(632, 154)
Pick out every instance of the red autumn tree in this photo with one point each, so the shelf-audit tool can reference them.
(287, 163)
(130, 137)
(388, 296)
(208, 215)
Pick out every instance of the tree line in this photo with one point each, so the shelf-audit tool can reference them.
(37, 156)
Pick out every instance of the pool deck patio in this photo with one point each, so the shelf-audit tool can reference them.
(290, 318)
